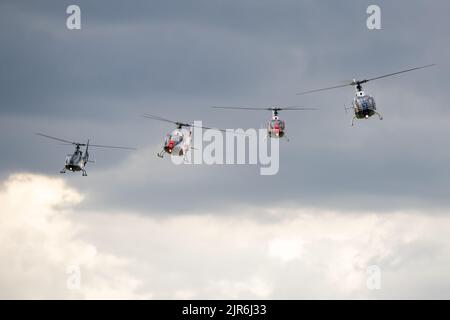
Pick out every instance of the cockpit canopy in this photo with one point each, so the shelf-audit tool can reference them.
(74, 158)
(276, 124)
(365, 103)
(175, 137)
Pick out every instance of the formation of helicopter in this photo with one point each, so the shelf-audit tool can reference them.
(178, 142)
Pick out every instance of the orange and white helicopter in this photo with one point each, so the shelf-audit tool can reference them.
(276, 128)
(178, 142)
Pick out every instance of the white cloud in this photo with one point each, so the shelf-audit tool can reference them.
(304, 253)
(286, 249)
(39, 242)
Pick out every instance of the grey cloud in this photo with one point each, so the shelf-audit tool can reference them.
(175, 59)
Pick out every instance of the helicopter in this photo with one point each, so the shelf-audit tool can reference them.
(177, 143)
(78, 159)
(276, 128)
(364, 105)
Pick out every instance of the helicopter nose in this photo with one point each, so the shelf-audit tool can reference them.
(170, 146)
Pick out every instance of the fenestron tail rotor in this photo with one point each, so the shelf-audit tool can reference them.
(79, 144)
(358, 83)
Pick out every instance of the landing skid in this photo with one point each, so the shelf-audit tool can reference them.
(379, 115)
(161, 154)
(375, 112)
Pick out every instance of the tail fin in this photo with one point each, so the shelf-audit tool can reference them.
(86, 153)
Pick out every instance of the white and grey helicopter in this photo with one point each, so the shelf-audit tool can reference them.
(276, 128)
(364, 105)
(178, 142)
(78, 159)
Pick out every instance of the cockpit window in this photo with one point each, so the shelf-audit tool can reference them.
(365, 102)
(174, 137)
(278, 124)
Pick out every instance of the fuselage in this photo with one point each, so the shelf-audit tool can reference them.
(76, 161)
(175, 143)
(364, 105)
(276, 127)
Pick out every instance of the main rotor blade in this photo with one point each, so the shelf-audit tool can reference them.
(67, 142)
(353, 83)
(207, 128)
(298, 108)
(110, 147)
(392, 74)
(323, 89)
(58, 139)
(267, 108)
(239, 108)
(154, 117)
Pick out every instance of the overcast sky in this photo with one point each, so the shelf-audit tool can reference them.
(345, 198)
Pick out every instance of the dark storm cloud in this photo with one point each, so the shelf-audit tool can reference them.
(175, 58)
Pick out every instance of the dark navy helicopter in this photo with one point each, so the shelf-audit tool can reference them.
(363, 104)
(78, 159)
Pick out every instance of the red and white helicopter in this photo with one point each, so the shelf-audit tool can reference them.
(276, 128)
(178, 142)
